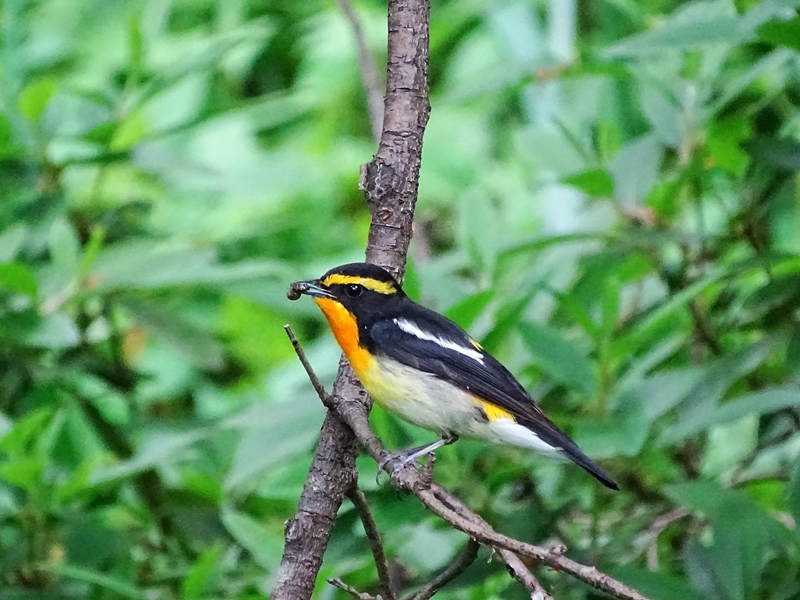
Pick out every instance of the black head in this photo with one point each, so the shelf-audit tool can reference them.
(363, 289)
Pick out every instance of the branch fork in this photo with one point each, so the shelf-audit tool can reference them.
(442, 503)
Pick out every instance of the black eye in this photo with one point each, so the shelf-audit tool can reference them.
(353, 290)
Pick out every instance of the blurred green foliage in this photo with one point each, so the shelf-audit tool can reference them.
(609, 201)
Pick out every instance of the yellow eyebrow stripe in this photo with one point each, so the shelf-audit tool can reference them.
(381, 287)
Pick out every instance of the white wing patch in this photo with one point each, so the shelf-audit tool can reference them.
(412, 329)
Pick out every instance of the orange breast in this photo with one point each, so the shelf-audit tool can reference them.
(345, 329)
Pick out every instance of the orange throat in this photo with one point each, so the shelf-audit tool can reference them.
(345, 330)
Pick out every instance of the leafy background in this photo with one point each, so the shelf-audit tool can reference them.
(608, 201)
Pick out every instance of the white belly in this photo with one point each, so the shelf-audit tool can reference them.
(420, 398)
(431, 403)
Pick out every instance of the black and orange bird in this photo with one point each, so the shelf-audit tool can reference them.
(427, 370)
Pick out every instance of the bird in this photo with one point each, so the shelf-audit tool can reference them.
(426, 369)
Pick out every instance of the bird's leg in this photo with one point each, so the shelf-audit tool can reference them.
(411, 454)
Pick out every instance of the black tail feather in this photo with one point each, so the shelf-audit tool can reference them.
(580, 459)
(551, 434)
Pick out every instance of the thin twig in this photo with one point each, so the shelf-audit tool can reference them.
(655, 530)
(359, 500)
(352, 591)
(516, 567)
(369, 71)
(460, 563)
(452, 510)
(521, 573)
(312, 376)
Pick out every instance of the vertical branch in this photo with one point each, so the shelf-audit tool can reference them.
(390, 183)
(331, 475)
(391, 179)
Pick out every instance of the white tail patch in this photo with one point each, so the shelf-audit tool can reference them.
(412, 329)
(513, 433)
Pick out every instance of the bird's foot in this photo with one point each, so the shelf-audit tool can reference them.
(409, 456)
(406, 457)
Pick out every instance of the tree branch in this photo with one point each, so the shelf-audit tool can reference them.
(440, 502)
(373, 535)
(452, 510)
(460, 563)
(351, 590)
(331, 475)
(521, 573)
(390, 183)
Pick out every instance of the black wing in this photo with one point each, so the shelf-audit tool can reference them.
(486, 378)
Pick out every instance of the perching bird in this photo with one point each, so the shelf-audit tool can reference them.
(426, 369)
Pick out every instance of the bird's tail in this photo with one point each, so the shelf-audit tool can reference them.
(552, 435)
(579, 458)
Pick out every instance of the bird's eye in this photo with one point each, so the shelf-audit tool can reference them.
(353, 290)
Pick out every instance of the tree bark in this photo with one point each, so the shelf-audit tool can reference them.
(390, 182)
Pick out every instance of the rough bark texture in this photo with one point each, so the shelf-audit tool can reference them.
(331, 475)
(390, 183)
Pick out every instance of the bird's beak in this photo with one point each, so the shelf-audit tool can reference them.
(312, 288)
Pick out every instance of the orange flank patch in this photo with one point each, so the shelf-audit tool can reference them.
(345, 330)
(493, 412)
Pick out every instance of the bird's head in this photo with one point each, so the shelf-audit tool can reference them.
(364, 290)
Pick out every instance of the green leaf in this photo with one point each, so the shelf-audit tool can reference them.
(696, 25)
(26, 431)
(112, 584)
(624, 433)
(158, 448)
(426, 548)
(140, 265)
(265, 546)
(744, 534)
(558, 357)
(201, 576)
(659, 393)
(777, 152)
(11, 241)
(18, 278)
(131, 131)
(55, 331)
(91, 251)
(655, 585)
(65, 247)
(111, 404)
(794, 495)
(723, 140)
(781, 33)
(635, 169)
(757, 404)
(596, 183)
(135, 50)
(728, 445)
(243, 324)
(269, 435)
(677, 301)
(187, 339)
(470, 308)
(23, 472)
(739, 551)
(35, 97)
